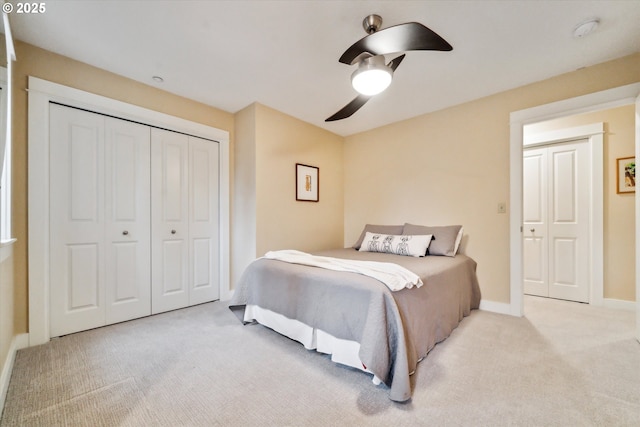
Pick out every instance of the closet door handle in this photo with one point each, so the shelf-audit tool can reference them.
(533, 230)
(125, 232)
(173, 231)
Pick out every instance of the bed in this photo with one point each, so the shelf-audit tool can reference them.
(358, 319)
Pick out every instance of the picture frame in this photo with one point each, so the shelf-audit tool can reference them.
(626, 175)
(307, 183)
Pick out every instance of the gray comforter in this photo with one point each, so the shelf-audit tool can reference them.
(395, 329)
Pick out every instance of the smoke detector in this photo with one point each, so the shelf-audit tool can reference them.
(585, 28)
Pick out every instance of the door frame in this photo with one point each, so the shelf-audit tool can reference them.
(594, 134)
(41, 93)
(623, 95)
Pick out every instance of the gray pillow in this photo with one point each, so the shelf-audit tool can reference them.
(379, 229)
(445, 238)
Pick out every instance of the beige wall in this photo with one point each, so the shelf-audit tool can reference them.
(269, 144)
(282, 222)
(452, 167)
(32, 61)
(619, 209)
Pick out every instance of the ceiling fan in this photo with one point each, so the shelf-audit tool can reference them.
(372, 75)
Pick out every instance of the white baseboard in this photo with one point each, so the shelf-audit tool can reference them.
(495, 307)
(17, 343)
(619, 304)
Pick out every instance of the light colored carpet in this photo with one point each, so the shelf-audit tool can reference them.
(563, 364)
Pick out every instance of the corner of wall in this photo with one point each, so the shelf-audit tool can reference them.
(243, 195)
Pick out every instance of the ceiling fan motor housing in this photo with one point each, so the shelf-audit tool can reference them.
(372, 23)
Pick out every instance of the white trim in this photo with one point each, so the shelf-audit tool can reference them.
(618, 304)
(17, 343)
(41, 93)
(595, 134)
(225, 222)
(562, 135)
(5, 154)
(495, 307)
(611, 98)
(8, 36)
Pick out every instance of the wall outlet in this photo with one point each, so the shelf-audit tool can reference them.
(502, 207)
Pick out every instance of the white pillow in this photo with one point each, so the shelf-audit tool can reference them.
(458, 240)
(408, 245)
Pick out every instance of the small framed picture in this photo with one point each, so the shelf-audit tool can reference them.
(307, 183)
(626, 170)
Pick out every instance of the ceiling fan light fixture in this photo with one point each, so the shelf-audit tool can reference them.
(372, 76)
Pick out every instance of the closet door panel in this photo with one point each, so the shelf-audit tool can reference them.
(76, 240)
(569, 220)
(169, 220)
(128, 210)
(535, 240)
(203, 221)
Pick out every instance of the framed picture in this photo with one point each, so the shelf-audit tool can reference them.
(307, 183)
(626, 170)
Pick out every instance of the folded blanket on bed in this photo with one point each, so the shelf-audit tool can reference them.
(394, 276)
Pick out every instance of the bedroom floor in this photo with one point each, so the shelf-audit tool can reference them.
(562, 364)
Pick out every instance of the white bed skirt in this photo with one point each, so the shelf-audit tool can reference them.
(342, 351)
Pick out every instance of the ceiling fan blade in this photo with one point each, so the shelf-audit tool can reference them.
(360, 100)
(393, 64)
(399, 38)
(349, 109)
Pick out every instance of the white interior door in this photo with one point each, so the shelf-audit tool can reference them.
(204, 283)
(169, 220)
(77, 245)
(127, 220)
(556, 229)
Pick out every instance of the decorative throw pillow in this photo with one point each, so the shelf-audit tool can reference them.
(403, 244)
(446, 239)
(381, 229)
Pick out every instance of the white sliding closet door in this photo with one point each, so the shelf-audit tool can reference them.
(170, 220)
(204, 241)
(99, 220)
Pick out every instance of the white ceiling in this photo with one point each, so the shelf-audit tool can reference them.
(284, 54)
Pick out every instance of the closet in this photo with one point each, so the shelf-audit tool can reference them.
(133, 220)
(556, 218)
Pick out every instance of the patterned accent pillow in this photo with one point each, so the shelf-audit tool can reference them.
(407, 245)
(379, 229)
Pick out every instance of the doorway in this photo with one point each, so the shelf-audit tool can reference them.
(623, 95)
